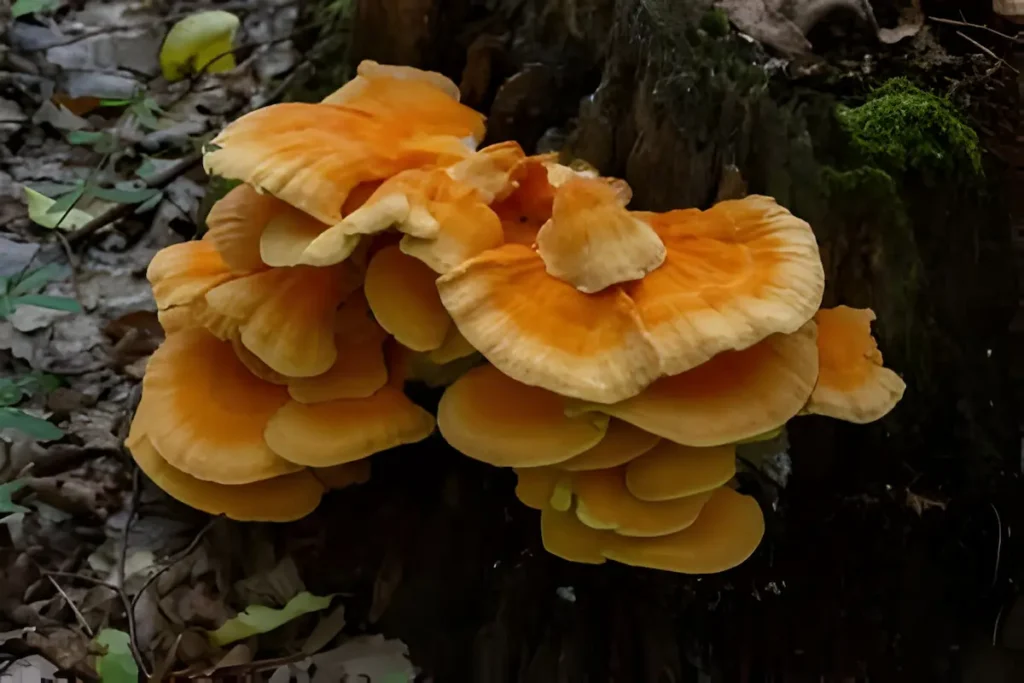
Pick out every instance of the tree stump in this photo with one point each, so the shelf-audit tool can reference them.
(888, 553)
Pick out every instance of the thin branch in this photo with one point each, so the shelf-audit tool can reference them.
(132, 641)
(74, 608)
(967, 24)
(174, 560)
(987, 51)
(157, 181)
(132, 513)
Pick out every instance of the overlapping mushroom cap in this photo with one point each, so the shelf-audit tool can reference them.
(613, 358)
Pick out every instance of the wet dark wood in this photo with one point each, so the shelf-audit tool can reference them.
(851, 582)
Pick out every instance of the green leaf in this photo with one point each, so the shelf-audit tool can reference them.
(117, 665)
(23, 7)
(125, 196)
(150, 203)
(115, 103)
(6, 492)
(56, 303)
(48, 213)
(84, 137)
(6, 307)
(35, 279)
(200, 41)
(36, 427)
(259, 619)
(67, 200)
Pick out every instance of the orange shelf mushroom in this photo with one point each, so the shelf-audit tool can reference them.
(613, 358)
(852, 384)
(611, 299)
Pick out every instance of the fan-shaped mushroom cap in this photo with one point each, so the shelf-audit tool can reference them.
(490, 170)
(670, 471)
(285, 316)
(359, 370)
(565, 536)
(529, 202)
(281, 499)
(313, 155)
(734, 396)
(604, 502)
(542, 331)
(853, 385)
(727, 531)
(346, 430)
(342, 476)
(491, 417)
(206, 412)
(386, 89)
(454, 347)
(734, 274)
(621, 443)
(405, 301)
(181, 273)
(592, 241)
(444, 221)
(543, 487)
(235, 224)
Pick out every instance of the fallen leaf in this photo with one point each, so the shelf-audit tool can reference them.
(202, 41)
(6, 491)
(366, 658)
(259, 619)
(39, 211)
(325, 631)
(15, 256)
(117, 665)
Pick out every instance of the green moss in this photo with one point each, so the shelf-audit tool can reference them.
(901, 127)
(715, 22)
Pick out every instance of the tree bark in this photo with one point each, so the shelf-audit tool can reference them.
(854, 577)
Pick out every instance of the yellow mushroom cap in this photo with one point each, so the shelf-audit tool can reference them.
(621, 443)
(734, 274)
(235, 224)
(346, 430)
(669, 471)
(386, 90)
(734, 396)
(444, 220)
(314, 155)
(536, 487)
(181, 273)
(852, 385)
(360, 368)
(405, 301)
(491, 417)
(490, 170)
(542, 331)
(285, 316)
(726, 532)
(206, 412)
(604, 502)
(592, 241)
(281, 499)
(566, 537)
(342, 476)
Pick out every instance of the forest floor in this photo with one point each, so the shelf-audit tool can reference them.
(92, 557)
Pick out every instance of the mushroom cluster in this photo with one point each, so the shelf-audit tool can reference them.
(613, 358)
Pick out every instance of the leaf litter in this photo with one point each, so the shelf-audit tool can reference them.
(89, 125)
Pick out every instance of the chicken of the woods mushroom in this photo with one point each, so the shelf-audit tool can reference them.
(612, 358)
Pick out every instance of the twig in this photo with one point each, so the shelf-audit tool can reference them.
(132, 512)
(157, 180)
(174, 560)
(999, 544)
(987, 51)
(74, 608)
(132, 641)
(954, 22)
